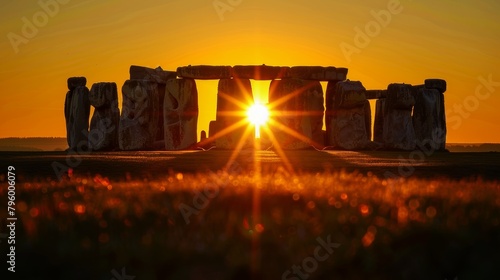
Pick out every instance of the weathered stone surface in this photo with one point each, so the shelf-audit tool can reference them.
(260, 72)
(78, 119)
(348, 122)
(378, 126)
(398, 131)
(157, 75)
(103, 95)
(318, 73)
(376, 94)
(233, 98)
(299, 110)
(139, 118)
(205, 72)
(400, 96)
(106, 118)
(349, 94)
(180, 114)
(67, 110)
(429, 119)
(75, 82)
(437, 84)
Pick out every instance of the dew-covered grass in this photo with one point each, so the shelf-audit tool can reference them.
(236, 225)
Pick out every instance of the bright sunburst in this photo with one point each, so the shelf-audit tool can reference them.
(258, 114)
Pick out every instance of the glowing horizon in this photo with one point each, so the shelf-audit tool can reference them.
(457, 42)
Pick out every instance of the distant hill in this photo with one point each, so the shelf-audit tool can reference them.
(33, 144)
(487, 147)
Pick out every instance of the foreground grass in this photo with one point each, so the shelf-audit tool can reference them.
(235, 226)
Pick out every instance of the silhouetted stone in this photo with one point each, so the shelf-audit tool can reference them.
(105, 121)
(260, 72)
(212, 129)
(233, 98)
(299, 110)
(318, 73)
(437, 84)
(139, 118)
(78, 121)
(429, 119)
(205, 72)
(378, 126)
(180, 114)
(348, 126)
(157, 75)
(398, 131)
(376, 94)
(75, 82)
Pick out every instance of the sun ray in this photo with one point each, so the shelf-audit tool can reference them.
(279, 150)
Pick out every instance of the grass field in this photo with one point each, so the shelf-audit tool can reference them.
(184, 216)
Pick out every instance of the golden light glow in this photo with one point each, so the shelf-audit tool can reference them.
(258, 114)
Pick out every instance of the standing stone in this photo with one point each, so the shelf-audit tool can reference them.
(79, 119)
(378, 126)
(260, 72)
(180, 114)
(105, 121)
(75, 82)
(76, 113)
(299, 110)
(160, 77)
(437, 84)
(233, 98)
(347, 124)
(139, 118)
(429, 119)
(398, 131)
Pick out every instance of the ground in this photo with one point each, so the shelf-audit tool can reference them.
(208, 215)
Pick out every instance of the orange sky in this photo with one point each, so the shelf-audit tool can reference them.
(454, 40)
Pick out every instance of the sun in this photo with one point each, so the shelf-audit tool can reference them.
(258, 114)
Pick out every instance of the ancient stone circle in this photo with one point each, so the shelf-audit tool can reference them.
(160, 111)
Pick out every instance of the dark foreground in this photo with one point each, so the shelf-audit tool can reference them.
(190, 215)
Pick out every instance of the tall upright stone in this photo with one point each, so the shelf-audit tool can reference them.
(160, 78)
(348, 123)
(139, 117)
(77, 112)
(180, 114)
(233, 98)
(429, 118)
(398, 131)
(104, 124)
(378, 126)
(298, 109)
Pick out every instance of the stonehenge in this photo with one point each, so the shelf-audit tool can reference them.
(139, 116)
(233, 97)
(398, 132)
(160, 111)
(348, 122)
(299, 113)
(180, 114)
(77, 112)
(106, 118)
(429, 120)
